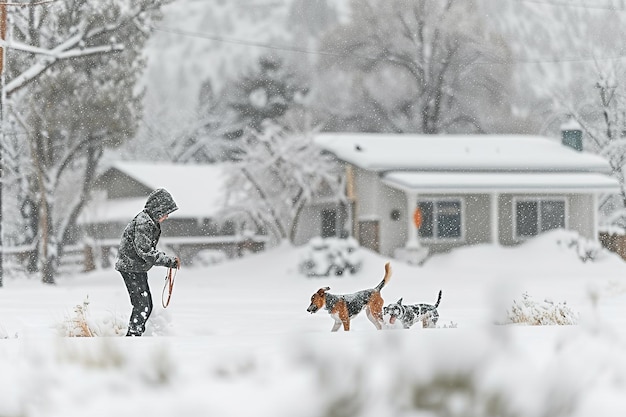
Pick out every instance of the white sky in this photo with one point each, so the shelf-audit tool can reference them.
(236, 340)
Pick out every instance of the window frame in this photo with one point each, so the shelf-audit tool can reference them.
(435, 238)
(538, 200)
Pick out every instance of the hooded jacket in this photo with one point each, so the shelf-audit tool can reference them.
(137, 251)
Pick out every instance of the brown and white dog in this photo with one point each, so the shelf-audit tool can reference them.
(344, 307)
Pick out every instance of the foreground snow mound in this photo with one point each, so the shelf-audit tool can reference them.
(489, 372)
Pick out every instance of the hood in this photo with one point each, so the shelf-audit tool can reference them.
(160, 203)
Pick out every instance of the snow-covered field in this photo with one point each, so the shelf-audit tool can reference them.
(236, 340)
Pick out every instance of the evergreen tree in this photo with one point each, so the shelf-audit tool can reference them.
(269, 92)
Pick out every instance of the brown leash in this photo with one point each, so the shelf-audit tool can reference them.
(169, 284)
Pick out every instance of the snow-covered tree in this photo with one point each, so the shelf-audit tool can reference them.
(578, 73)
(413, 66)
(266, 92)
(603, 121)
(71, 81)
(279, 173)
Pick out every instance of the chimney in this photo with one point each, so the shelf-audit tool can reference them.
(572, 134)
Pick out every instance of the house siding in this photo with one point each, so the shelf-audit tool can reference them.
(393, 233)
(368, 188)
(581, 215)
(477, 218)
(376, 202)
(310, 224)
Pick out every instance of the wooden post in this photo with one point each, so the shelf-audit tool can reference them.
(3, 33)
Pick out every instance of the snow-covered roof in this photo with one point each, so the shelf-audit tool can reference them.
(467, 182)
(410, 152)
(196, 189)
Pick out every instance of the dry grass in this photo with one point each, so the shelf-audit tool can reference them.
(545, 313)
(80, 324)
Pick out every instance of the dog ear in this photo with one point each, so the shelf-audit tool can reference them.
(399, 301)
(321, 291)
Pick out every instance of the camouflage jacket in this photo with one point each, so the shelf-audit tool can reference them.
(137, 251)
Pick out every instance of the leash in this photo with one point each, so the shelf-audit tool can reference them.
(169, 284)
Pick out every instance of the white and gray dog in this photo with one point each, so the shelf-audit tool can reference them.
(411, 314)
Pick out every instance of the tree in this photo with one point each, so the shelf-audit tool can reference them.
(266, 92)
(585, 54)
(279, 173)
(604, 124)
(413, 66)
(73, 69)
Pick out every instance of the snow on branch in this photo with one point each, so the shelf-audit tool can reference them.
(279, 173)
(52, 57)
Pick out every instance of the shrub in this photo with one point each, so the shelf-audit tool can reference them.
(82, 325)
(543, 313)
(331, 256)
(587, 250)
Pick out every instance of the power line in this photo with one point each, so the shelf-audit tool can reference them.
(286, 48)
(224, 39)
(576, 5)
(37, 3)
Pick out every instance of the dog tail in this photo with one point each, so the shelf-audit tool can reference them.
(438, 299)
(386, 278)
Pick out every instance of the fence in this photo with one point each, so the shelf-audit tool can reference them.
(87, 256)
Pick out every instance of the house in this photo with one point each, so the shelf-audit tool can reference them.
(412, 195)
(200, 223)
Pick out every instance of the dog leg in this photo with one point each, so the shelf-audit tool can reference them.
(375, 308)
(343, 315)
(336, 326)
(376, 320)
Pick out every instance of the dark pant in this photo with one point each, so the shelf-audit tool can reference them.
(140, 298)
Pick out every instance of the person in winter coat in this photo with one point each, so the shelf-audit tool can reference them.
(137, 254)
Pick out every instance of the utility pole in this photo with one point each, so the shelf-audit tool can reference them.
(3, 96)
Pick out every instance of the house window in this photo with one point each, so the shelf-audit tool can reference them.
(329, 223)
(228, 228)
(533, 216)
(441, 219)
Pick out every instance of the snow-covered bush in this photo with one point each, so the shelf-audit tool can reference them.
(82, 325)
(331, 256)
(587, 250)
(543, 313)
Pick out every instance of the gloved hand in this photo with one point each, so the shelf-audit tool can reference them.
(173, 262)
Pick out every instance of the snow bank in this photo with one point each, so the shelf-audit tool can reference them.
(237, 341)
(456, 373)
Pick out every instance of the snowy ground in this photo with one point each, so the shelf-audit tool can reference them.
(237, 341)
